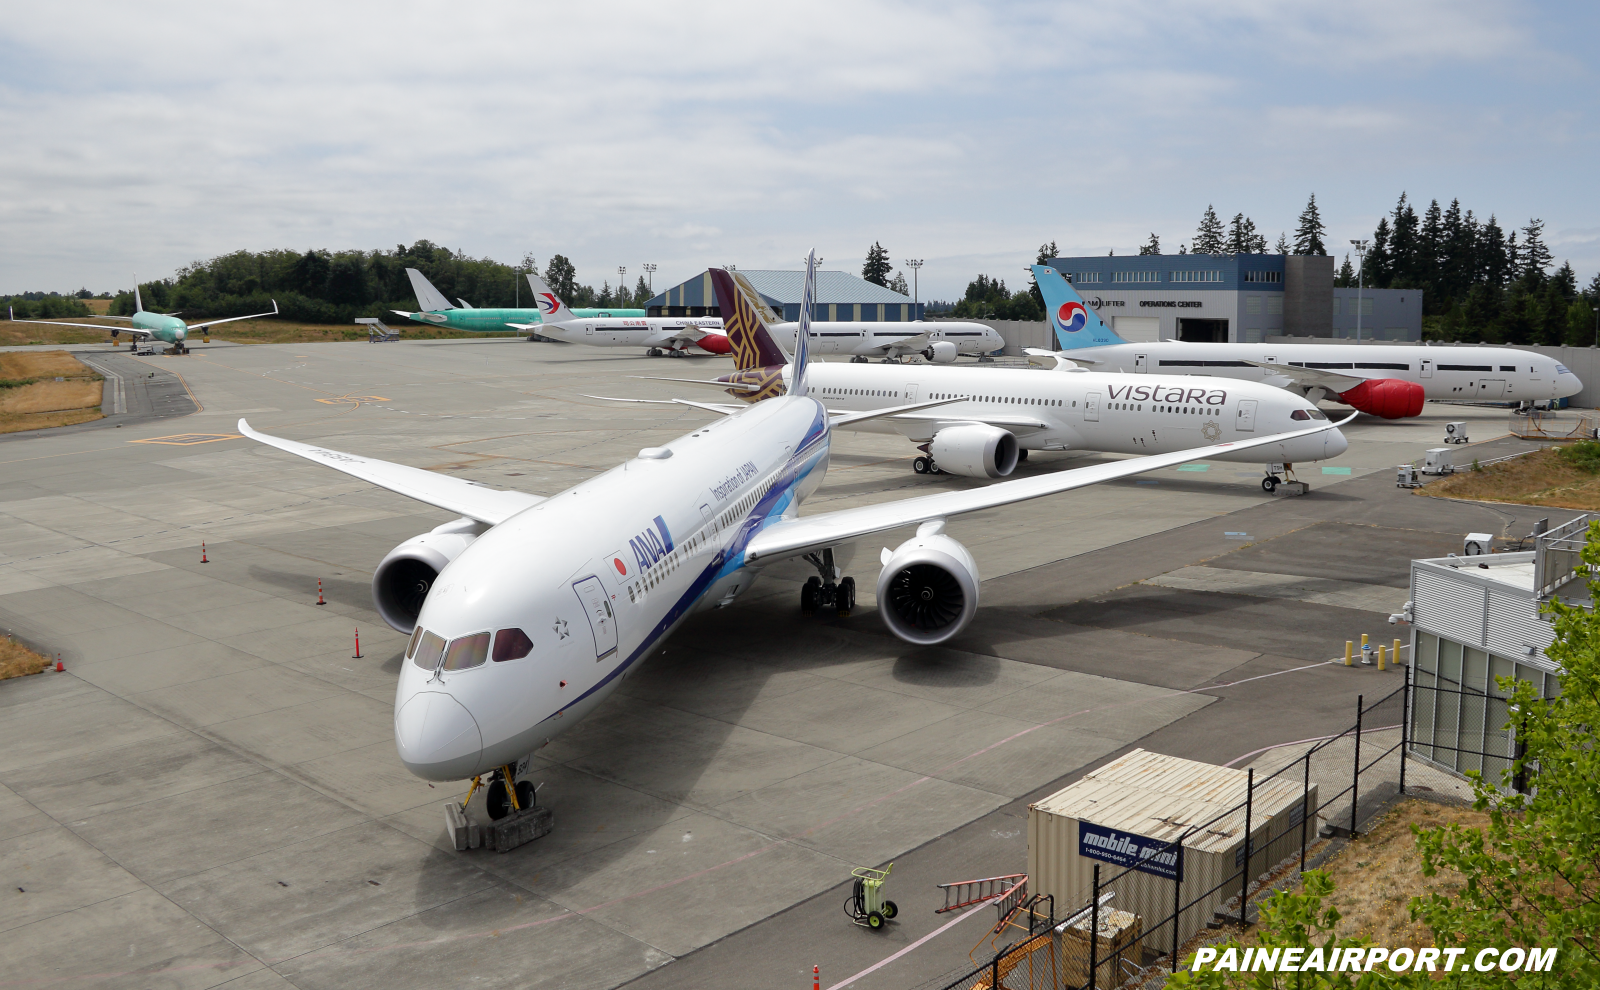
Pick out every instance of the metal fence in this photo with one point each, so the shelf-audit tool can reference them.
(1132, 923)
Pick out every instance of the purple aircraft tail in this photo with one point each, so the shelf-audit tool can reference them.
(752, 343)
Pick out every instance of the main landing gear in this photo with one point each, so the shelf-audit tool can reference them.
(500, 800)
(669, 352)
(821, 592)
(859, 359)
(925, 465)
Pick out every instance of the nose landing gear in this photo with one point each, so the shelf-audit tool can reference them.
(500, 800)
(1270, 483)
(822, 592)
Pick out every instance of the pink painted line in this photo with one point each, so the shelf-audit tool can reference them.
(937, 931)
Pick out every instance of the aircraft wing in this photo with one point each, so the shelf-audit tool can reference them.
(686, 334)
(1333, 381)
(1003, 422)
(470, 499)
(803, 534)
(92, 326)
(1064, 361)
(913, 343)
(231, 319)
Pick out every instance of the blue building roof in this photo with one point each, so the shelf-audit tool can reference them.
(782, 287)
(1255, 272)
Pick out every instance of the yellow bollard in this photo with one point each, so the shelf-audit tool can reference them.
(1380, 658)
(1349, 653)
(1363, 642)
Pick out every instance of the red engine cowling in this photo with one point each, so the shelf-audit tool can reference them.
(716, 343)
(1387, 398)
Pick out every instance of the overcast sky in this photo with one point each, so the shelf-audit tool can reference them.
(141, 137)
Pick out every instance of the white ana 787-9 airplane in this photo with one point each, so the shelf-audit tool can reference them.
(1390, 381)
(527, 612)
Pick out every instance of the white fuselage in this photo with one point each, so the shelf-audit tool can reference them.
(882, 339)
(629, 331)
(1078, 410)
(596, 577)
(1462, 373)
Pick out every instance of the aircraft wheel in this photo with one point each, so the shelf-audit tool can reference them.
(922, 465)
(845, 599)
(1022, 455)
(527, 798)
(808, 597)
(496, 802)
(1268, 485)
(933, 467)
(654, 352)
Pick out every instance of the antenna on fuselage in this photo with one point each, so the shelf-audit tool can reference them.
(802, 338)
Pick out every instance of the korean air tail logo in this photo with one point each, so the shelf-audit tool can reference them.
(1071, 317)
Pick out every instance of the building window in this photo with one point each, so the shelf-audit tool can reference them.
(1335, 305)
(1275, 305)
(1366, 306)
(1252, 305)
(1079, 278)
(1197, 276)
(1135, 276)
(1263, 276)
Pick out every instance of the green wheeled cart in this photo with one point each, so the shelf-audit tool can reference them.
(866, 906)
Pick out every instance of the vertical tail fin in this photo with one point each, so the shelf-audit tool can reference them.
(551, 308)
(1075, 324)
(802, 337)
(752, 344)
(769, 315)
(429, 299)
(138, 305)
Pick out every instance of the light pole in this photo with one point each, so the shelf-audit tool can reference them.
(1597, 326)
(1361, 274)
(915, 264)
(650, 277)
(622, 281)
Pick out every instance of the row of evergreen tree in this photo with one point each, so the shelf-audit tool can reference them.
(321, 286)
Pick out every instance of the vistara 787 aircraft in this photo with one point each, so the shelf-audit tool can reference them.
(436, 310)
(938, 343)
(669, 335)
(1390, 381)
(527, 612)
(998, 414)
(165, 327)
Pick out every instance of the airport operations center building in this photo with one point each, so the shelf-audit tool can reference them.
(1236, 298)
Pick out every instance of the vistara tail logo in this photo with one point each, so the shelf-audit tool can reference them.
(1071, 317)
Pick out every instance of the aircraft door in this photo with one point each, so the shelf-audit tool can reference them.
(1141, 364)
(588, 329)
(911, 393)
(1245, 419)
(597, 606)
(1427, 367)
(1091, 407)
(1491, 388)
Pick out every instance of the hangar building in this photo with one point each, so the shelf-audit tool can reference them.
(1236, 298)
(840, 296)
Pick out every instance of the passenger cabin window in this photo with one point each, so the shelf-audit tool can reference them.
(428, 651)
(467, 651)
(511, 644)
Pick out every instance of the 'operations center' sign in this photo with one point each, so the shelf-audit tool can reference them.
(1119, 848)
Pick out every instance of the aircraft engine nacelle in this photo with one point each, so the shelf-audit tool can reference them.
(716, 343)
(403, 579)
(940, 352)
(1386, 398)
(928, 588)
(975, 451)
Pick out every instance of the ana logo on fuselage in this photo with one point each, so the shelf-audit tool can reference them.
(1170, 393)
(651, 545)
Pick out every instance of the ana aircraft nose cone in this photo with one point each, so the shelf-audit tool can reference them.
(438, 739)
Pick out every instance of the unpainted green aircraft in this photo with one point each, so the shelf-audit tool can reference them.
(436, 310)
(165, 327)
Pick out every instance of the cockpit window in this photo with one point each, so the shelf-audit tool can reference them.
(1299, 414)
(1305, 414)
(467, 651)
(411, 648)
(428, 650)
(511, 644)
(1561, 369)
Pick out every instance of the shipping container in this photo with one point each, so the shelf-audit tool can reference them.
(1127, 817)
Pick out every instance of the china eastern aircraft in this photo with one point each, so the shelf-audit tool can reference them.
(1391, 381)
(998, 415)
(669, 335)
(938, 343)
(436, 310)
(527, 612)
(164, 327)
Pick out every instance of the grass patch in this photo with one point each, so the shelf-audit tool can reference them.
(32, 399)
(1565, 477)
(17, 660)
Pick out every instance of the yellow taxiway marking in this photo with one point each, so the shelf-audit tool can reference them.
(358, 399)
(188, 439)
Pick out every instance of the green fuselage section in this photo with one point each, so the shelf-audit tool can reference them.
(168, 329)
(496, 320)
